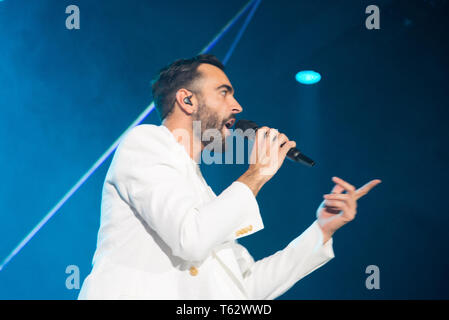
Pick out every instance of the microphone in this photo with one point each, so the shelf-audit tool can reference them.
(293, 154)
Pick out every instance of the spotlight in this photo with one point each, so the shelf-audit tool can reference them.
(308, 77)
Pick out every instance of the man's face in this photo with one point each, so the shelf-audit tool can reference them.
(217, 105)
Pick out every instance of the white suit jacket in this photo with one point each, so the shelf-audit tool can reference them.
(164, 234)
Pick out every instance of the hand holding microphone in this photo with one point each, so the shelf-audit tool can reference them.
(267, 156)
(269, 151)
(293, 154)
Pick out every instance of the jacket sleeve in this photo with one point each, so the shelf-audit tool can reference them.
(274, 275)
(149, 175)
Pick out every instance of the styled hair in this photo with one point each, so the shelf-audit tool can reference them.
(180, 74)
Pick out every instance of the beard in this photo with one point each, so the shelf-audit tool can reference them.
(210, 123)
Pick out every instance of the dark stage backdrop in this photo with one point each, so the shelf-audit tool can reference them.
(380, 111)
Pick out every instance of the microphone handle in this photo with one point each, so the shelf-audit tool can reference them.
(295, 155)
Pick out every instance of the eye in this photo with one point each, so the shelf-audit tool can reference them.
(223, 92)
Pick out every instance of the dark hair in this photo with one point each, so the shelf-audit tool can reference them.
(179, 74)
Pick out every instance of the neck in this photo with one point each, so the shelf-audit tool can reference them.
(184, 135)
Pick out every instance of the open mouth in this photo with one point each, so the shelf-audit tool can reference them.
(230, 123)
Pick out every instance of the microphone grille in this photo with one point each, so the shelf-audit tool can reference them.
(246, 124)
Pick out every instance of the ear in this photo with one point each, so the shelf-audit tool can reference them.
(181, 94)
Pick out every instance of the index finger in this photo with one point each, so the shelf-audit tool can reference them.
(367, 187)
(337, 189)
(348, 187)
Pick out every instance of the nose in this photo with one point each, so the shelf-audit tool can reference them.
(236, 107)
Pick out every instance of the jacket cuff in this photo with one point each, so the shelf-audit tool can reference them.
(325, 248)
(253, 220)
(313, 235)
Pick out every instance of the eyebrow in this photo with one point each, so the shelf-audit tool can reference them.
(229, 88)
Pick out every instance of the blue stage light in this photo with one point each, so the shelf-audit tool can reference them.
(308, 77)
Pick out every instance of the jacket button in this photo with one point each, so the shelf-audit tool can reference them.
(193, 271)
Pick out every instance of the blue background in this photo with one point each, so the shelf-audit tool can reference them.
(380, 111)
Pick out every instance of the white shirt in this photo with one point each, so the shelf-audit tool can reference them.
(164, 234)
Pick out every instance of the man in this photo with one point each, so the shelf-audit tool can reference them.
(164, 234)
